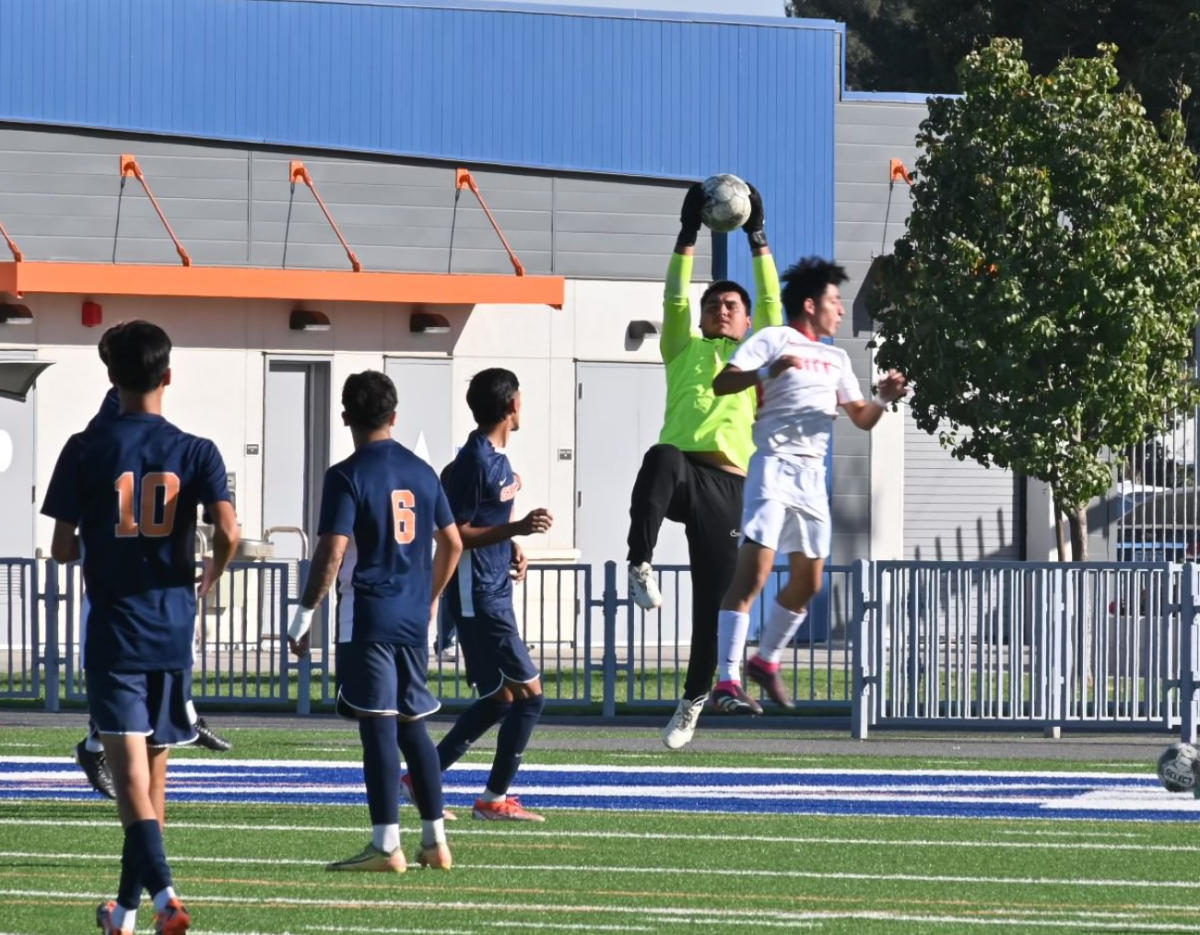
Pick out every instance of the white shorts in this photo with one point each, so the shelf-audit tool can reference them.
(786, 506)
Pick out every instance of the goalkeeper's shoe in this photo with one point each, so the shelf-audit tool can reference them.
(104, 913)
(410, 797)
(95, 767)
(731, 698)
(643, 588)
(172, 920)
(766, 675)
(372, 860)
(678, 732)
(206, 738)
(435, 856)
(507, 809)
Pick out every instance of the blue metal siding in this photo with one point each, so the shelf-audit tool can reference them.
(635, 96)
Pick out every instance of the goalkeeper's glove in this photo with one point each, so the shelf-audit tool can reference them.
(689, 217)
(754, 227)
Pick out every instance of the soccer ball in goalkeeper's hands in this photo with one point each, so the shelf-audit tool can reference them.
(1177, 767)
(726, 203)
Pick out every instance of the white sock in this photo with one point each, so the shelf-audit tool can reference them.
(385, 837)
(490, 796)
(433, 832)
(732, 627)
(124, 920)
(193, 717)
(93, 744)
(162, 897)
(780, 627)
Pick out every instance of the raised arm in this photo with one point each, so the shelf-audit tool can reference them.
(768, 308)
(677, 308)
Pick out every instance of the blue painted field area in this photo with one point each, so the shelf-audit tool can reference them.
(935, 794)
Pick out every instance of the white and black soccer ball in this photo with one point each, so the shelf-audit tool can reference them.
(1176, 767)
(726, 203)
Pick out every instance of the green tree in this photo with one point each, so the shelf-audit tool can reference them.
(1044, 298)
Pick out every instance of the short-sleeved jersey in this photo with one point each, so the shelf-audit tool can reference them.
(133, 486)
(482, 487)
(795, 417)
(389, 503)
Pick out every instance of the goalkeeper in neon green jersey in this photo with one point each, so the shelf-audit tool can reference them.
(696, 472)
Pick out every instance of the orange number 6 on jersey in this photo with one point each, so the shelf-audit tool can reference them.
(151, 523)
(403, 517)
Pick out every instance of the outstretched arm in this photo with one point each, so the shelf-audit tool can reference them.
(865, 414)
(677, 308)
(768, 308)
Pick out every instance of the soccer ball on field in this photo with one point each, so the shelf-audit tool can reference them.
(726, 203)
(1176, 767)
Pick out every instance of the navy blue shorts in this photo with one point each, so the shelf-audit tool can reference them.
(494, 651)
(379, 679)
(148, 704)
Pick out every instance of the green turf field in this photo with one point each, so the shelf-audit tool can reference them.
(254, 869)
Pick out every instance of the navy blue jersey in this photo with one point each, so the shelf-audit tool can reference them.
(481, 488)
(389, 502)
(132, 486)
(110, 409)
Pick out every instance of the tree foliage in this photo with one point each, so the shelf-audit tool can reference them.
(1044, 298)
(916, 45)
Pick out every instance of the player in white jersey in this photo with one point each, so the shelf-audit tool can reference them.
(786, 508)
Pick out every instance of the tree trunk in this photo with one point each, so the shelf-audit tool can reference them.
(1060, 533)
(1077, 519)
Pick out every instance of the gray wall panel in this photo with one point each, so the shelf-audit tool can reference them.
(229, 205)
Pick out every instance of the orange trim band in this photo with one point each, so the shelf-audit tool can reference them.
(296, 285)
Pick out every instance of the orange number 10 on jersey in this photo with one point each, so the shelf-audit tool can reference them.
(156, 517)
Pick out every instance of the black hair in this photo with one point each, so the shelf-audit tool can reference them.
(490, 394)
(808, 279)
(368, 400)
(102, 347)
(726, 285)
(138, 355)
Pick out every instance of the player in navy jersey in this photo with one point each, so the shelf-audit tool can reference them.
(481, 487)
(89, 752)
(132, 487)
(381, 511)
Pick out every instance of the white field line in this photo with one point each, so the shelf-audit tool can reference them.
(556, 834)
(184, 765)
(685, 871)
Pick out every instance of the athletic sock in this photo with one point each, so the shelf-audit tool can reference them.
(385, 837)
(732, 627)
(476, 721)
(433, 832)
(150, 856)
(781, 626)
(162, 897)
(381, 769)
(421, 760)
(514, 736)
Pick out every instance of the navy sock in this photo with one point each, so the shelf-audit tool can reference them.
(129, 892)
(145, 843)
(381, 768)
(421, 758)
(514, 738)
(476, 721)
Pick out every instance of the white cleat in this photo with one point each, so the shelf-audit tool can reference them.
(678, 733)
(643, 588)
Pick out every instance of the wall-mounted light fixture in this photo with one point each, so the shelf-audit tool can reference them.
(306, 320)
(15, 315)
(640, 330)
(428, 323)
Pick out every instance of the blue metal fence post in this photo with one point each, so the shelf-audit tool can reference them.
(1187, 656)
(860, 631)
(49, 633)
(609, 699)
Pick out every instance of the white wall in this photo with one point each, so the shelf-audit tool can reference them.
(217, 386)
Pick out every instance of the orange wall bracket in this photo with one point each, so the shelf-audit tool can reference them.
(129, 166)
(298, 173)
(12, 245)
(462, 179)
(897, 172)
